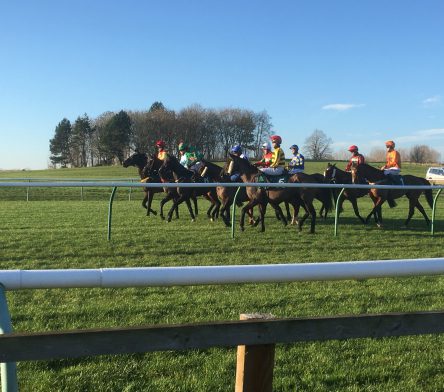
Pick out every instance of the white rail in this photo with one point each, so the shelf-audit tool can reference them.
(213, 184)
(215, 275)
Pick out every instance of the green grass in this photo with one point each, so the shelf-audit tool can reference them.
(71, 233)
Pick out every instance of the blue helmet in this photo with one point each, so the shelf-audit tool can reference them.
(237, 149)
(295, 146)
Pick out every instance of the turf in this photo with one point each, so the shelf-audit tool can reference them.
(65, 232)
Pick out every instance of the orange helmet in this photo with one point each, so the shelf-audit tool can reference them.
(353, 148)
(276, 139)
(160, 143)
(390, 143)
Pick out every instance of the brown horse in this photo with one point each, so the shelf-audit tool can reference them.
(334, 175)
(215, 173)
(374, 175)
(274, 195)
(183, 175)
(148, 171)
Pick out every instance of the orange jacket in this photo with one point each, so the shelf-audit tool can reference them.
(393, 160)
(161, 155)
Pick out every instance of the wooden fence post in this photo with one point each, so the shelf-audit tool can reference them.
(254, 368)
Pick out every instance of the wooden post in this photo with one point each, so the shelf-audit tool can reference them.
(254, 369)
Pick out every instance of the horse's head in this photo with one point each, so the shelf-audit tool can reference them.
(240, 165)
(330, 172)
(137, 159)
(355, 173)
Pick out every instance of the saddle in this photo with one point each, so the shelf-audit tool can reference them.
(395, 179)
(273, 179)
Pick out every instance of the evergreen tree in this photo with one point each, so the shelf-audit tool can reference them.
(117, 135)
(60, 144)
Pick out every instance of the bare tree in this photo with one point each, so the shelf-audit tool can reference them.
(423, 154)
(376, 154)
(262, 131)
(318, 146)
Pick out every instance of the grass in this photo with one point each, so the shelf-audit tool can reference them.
(69, 233)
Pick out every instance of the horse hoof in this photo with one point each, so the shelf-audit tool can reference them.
(242, 228)
(193, 220)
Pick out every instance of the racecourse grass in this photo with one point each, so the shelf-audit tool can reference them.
(70, 233)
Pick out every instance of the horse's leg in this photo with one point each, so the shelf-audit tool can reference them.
(354, 203)
(150, 201)
(190, 208)
(422, 211)
(145, 198)
(287, 209)
(167, 198)
(193, 196)
(279, 213)
(245, 209)
(312, 213)
(262, 210)
(377, 211)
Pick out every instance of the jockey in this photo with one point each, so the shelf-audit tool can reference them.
(267, 156)
(296, 164)
(189, 157)
(161, 152)
(393, 159)
(236, 150)
(278, 160)
(356, 158)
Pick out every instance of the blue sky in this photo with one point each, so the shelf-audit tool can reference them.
(361, 71)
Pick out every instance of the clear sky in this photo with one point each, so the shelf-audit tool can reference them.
(361, 71)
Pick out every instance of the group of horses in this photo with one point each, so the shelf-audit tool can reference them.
(153, 170)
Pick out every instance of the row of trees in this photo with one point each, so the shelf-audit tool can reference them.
(112, 136)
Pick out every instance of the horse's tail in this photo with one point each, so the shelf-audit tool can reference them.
(428, 193)
(327, 198)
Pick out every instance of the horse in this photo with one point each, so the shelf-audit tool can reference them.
(334, 175)
(374, 175)
(140, 160)
(274, 195)
(324, 195)
(182, 174)
(148, 171)
(225, 194)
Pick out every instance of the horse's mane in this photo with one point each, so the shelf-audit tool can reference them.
(172, 163)
(247, 167)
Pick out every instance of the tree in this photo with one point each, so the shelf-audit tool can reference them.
(318, 146)
(59, 145)
(423, 154)
(376, 154)
(262, 130)
(80, 141)
(116, 137)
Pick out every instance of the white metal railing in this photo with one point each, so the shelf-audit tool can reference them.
(218, 275)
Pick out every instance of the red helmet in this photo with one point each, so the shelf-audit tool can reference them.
(276, 139)
(353, 148)
(160, 143)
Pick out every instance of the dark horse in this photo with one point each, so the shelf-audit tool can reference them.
(334, 175)
(274, 195)
(148, 168)
(140, 160)
(374, 175)
(225, 194)
(183, 175)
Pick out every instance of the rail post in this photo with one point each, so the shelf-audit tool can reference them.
(233, 212)
(255, 363)
(435, 199)
(110, 212)
(337, 211)
(8, 369)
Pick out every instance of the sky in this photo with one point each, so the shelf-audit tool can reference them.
(360, 71)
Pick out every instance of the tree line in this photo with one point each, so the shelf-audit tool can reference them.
(112, 136)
